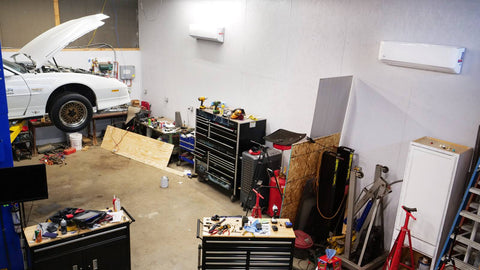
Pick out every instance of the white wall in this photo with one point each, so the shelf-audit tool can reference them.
(79, 59)
(276, 51)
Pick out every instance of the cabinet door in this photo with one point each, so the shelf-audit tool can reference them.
(429, 176)
(114, 255)
(71, 261)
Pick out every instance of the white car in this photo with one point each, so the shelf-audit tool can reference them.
(66, 95)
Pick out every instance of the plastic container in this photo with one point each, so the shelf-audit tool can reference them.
(116, 204)
(423, 264)
(164, 182)
(76, 140)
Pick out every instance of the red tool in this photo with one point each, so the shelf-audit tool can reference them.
(257, 210)
(69, 151)
(393, 259)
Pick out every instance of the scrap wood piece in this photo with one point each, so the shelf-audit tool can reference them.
(140, 148)
(305, 159)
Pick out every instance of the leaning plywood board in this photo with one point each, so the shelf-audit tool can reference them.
(140, 148)
(305, 159)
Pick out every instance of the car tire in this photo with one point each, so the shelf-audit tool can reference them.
(71, 112)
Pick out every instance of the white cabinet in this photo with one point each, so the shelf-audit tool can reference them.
(434, 183)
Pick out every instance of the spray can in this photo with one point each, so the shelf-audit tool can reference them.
(113, 202)
(63, 226)
(116, 204)
(38, 235)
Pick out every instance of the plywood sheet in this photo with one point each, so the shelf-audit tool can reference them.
(140, 148)
(305, 160)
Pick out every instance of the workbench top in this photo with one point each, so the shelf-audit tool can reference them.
(29, 232)
(245, 119)
(235, 224)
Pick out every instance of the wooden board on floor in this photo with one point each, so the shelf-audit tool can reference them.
(305, 159)
(140, 148)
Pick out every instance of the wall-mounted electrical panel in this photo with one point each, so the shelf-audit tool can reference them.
(127, 72)
(207, 32)
(439, 58)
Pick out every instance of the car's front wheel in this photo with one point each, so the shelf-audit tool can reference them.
(71, 112)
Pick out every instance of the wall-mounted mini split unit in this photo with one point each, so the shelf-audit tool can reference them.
(207, 32)
(440, 58)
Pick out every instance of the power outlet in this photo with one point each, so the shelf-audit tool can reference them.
(190, 108)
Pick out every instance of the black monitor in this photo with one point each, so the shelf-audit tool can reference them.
(23, 184)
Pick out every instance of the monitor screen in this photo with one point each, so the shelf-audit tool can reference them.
(23, 184)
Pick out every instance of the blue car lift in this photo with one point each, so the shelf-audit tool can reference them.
(11, 257)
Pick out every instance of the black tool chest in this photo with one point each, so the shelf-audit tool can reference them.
(245, 251)
(107, 247)
(219, 143)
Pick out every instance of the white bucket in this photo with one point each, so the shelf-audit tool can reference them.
(76, 140)
(164, 183)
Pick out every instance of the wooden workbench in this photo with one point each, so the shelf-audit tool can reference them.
(235, 224)
(105, 247)
(239, 250)
(93, 131)
(29, 232)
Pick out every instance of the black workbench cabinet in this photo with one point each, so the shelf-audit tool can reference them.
(247, 253)
(219, 143)
(104, 249)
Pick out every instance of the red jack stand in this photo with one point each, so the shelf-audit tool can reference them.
(393, 259)
(257, 211)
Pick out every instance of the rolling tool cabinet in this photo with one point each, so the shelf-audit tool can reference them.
(219, 143)
(106, 247)
(235, 250)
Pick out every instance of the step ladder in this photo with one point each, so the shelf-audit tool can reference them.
(467, 245)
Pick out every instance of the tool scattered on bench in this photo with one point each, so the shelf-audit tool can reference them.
(214, 226)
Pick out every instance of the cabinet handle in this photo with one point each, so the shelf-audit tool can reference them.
(128, 214)
(199, 256)
(198, 229)
(226, 145)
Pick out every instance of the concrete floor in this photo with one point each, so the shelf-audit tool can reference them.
(164, 234)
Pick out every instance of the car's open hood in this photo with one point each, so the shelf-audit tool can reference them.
(46, 45)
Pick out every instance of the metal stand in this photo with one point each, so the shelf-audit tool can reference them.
(372, 200)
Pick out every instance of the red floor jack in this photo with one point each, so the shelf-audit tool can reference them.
(257, 210)
(393, 259)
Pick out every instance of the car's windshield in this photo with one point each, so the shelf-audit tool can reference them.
(14, 66)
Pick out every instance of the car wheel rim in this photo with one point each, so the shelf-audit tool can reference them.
(73, 113)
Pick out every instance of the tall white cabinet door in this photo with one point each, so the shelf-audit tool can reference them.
(429, 175)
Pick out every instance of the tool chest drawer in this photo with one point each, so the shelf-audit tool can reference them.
(224, 253)
(219, 143)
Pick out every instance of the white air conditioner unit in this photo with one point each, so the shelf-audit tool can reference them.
(440, 58)
(207, 32)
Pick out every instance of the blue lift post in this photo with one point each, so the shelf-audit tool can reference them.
(11, 257)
